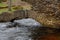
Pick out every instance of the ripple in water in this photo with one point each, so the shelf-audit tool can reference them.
(18, 32)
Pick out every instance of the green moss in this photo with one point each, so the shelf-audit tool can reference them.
(12, 9)
(6, 10)
(3, 5)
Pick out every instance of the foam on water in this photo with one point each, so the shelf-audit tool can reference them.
(18, 32)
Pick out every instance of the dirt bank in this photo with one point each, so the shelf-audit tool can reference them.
(48, 11)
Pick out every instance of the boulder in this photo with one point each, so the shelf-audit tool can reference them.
(19, 14)
(5, 17)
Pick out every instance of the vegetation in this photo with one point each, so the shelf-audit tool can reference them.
(4, 7)
(3, 1)
(6, 10)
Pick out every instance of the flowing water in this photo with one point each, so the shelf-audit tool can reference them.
(18, 30)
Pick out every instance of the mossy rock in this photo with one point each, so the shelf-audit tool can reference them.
(17, 8)
(5, 17)
(19, 14)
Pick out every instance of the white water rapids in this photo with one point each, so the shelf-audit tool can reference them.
(20, 32)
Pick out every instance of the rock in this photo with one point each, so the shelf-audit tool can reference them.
(11, 25)
(19, 14)
(6, 25)
(44, 31)
(5, 17)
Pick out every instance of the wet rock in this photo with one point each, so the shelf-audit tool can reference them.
(12, 25)
(6, 25)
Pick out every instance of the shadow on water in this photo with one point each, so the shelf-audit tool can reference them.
(46, 33)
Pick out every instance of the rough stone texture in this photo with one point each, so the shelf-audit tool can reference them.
(48, 11)
(5, 17)
(19, 14)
